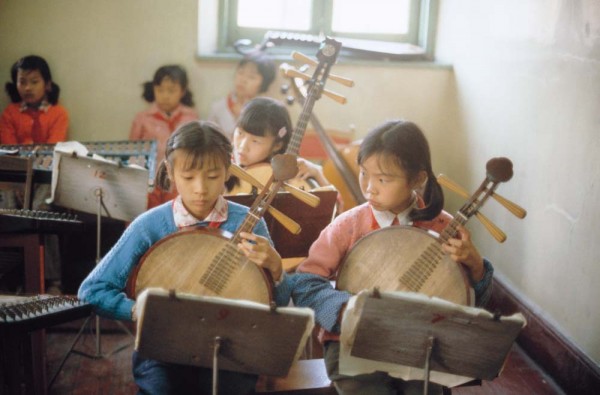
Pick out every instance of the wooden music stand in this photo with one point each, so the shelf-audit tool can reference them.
(415, 337)
(105, 188)
(312, 220)
(221, 333)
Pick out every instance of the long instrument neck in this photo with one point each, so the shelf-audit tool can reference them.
(294, 145)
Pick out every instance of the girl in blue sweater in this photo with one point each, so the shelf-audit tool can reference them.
(197, 160)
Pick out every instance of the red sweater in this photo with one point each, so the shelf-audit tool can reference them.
(17, 121)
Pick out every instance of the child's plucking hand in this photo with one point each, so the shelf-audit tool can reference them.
(258, 250)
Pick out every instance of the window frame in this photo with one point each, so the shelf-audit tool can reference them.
(418, 44)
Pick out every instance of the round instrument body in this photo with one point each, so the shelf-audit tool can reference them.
(201, 261)
(404, 258)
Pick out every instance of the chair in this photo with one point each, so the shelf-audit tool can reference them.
(18, 169)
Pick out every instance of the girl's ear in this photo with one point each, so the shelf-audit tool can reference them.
(276, 147)
(420, 180)
(183, 93)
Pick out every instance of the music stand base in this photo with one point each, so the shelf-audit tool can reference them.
(98, 354)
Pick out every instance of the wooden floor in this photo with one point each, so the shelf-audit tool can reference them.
(112, 375)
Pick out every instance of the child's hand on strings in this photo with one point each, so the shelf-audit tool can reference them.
(462, 250)
(258, 250)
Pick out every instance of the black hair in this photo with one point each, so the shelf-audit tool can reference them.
(265, 116)
(265, 65)
(202, 141)
(173, 72)
(407, 146)
(31, 63)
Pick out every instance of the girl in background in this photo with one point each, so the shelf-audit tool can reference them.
(34, 116)
(395, 163)
(171, 106)
(253, 76)
(197, 161)
(264, 130)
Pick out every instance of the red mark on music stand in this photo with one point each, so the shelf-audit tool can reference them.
(222, 314)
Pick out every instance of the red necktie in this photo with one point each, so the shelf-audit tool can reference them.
(36, 127)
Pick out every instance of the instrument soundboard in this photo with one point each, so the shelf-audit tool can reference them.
(37, 221)
(135, 152)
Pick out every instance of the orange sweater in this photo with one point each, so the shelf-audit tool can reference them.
(17, 121)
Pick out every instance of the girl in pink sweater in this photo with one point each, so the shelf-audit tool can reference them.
(395, 163)
(171, 105)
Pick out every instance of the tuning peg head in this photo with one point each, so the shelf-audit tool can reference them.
(499, 169)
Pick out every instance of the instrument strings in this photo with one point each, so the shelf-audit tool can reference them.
(226, 262)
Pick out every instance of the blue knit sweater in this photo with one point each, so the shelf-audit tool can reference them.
(104, 287)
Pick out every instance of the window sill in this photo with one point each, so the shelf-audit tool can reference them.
(285, 56)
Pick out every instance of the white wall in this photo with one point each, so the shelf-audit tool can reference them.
(525, 86)
(528, 83)
(101, 52)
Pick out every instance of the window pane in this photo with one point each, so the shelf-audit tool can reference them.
(372, 16)
(275, 14)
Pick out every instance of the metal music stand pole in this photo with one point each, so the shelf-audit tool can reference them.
(215, 367)
(92, 185)
(99, 195)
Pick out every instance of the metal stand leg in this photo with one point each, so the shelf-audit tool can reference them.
(98, 354)
(427, 361)
(215, 372)
(69, 351)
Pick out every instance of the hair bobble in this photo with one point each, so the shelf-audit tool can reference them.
(282, 132)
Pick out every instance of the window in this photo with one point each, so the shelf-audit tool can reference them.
(371, 30)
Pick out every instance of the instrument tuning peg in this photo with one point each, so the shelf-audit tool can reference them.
(290, 99)
(494, 230)
(514, 208)
(309, 61)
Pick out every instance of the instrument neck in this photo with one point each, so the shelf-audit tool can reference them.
(258, 209)
(294, 144)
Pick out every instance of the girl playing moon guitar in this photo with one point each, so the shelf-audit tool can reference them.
(394, 160)
(197, 161)
(264, 130)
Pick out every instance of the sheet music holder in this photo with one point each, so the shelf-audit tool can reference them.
(414, 337)
(251, 337)
(80, 179)
(102, 187)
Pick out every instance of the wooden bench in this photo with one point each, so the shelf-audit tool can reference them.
(307, 376)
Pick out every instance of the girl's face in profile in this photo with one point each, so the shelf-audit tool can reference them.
(249, 149)
(199, 187)
(31, 86)
(385, 185)
(168, 94)
(247, 81)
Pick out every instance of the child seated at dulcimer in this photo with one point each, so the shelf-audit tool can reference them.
(264, 130)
